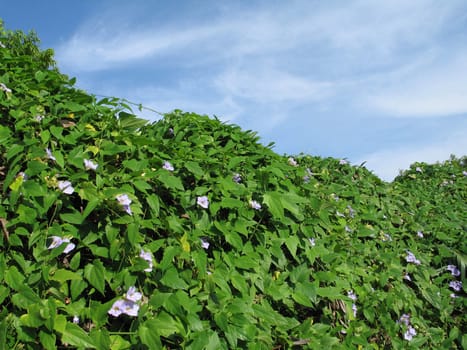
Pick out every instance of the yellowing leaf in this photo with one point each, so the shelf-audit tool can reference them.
(185, 244)
(93, 149)
(90, 127)
(16, 184)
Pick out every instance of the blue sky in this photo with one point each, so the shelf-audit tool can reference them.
(376, 81)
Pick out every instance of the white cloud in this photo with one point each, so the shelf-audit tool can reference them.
(388, 162)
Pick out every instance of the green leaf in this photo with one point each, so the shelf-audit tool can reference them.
(274, 203)
(171, 279)
(149, 336)
(170, 181)
(47, 340)
(76, 336)
(62, 275)
(94, 273)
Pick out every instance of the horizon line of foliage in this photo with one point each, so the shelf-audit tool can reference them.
(243, 248)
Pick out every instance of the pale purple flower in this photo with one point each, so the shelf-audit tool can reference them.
(122, 306)
(38, 118)
(312, 241)
(418, 169)
(65, 187)
(75, 319)
(410, 333)
(148, 257)
(292, 161)
(125, 202)
(453, 295)
(343, 162)
(90, 165)
(4, 88)
(255, 205)
(464, 173)
(352, 295)
(204, 243)
(411, 258)
(49, 154)
(58, 241)
(335, 197)
(420, 234)
(456, 285)
(133, 295)
(354, 309)
(2, 45)
(203, 202)
(405, 319)
(168, 166)
(237, 178)
(454, 270)
(306, 179)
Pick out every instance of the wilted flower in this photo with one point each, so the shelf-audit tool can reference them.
(148, 257)
(4, 88)
(456, 285)
(125, 202)
(405, 319)
(411, 258)
(65, 187)
(386, 237)
(203, 202)
(354, 309)
(292, 161)
(454, 270)
(335, 197)
(347, 229)
(49, 154)
(237, 178)
(255, 205)
(351, 211)
(204, 243)
(2, 45)
(90, 165)
(168, 166)
(58, 241)
(338, 213)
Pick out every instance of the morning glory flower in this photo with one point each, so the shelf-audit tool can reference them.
(343, 162)
(148, 257)
(58, 241)
(65, 187)
(203, 202)
(420, 234)
(352, 295)
(255, 205)
(38, 118)
(464, 173)
(237, 178)
(75, 319)
(292, 161)
(4, 88)
(49, 154)
(204, 243)
(125, 202)
(456, 285)
(411, 258)
(168, 166)
(405, 319)
(410, 333)
(90, 165)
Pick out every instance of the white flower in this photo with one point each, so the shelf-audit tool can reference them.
(204, 243)
(292, 161)
(203, 202)
(312, 241)
(75, 319)
(65, 187)
(418, 169)
(168, 166)
(255, 205)
(49, 154)
(2, 45)
(38, 118)
(237, 178)
(407, 277)
(90, 165)
(420, 234)
(4, 88)
(148, 257)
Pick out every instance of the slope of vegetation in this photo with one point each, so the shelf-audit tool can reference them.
(117, 233)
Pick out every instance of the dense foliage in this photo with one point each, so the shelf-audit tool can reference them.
(188, 233)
